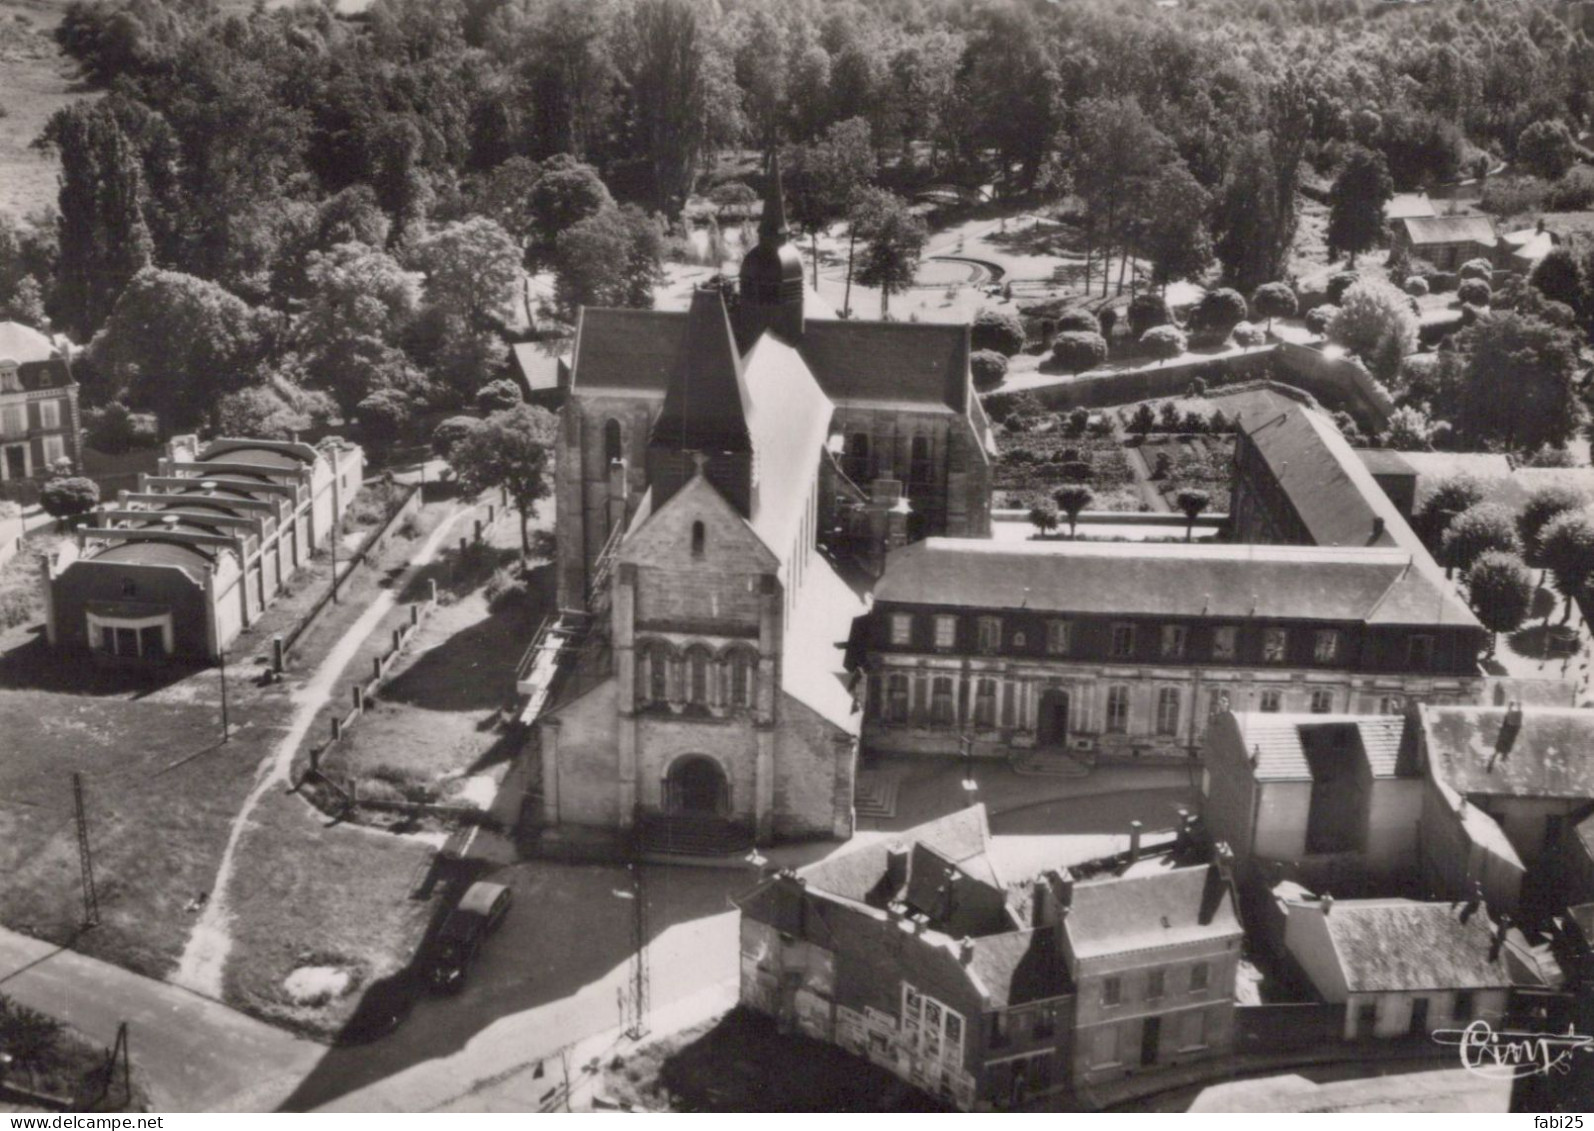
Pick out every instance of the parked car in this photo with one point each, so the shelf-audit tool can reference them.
(477, 915)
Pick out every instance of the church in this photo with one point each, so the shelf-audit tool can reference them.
(729, 480)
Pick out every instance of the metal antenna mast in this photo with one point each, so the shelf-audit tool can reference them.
(91, 902)
(641, 987)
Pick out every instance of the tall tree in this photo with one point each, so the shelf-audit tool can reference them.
(1356, 203)
(472, 267)
(823, 179)
(509, 450)
(1247, 222)
(894, 241)
(1521, 376)
(1118, 156)
(1176, 236)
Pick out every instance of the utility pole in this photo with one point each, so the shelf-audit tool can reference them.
(335, 525)
(91, 902)
(640, 980)
(119, 1053)
(226, 725)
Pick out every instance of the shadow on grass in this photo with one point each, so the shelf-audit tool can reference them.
(32, 665)
(472, 670)
(743, 1063)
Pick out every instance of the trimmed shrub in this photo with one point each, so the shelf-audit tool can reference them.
(1477, 269)
(451, 432)
(1416, 286)
(1079, 321)
(1249, 334)
(1274, 300)
(1442, 281)
(1318, 318)
(999, 330)
(1474, 292)
(1338, 283)
(988, 367)
(1077, 350)
(1164, 342)
(1147, 311)
(69, 495)
(1218, 313)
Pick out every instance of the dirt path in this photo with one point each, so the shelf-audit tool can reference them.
(1143, 481)
(205, 957)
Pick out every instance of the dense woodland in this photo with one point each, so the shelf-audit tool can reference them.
(277, 216)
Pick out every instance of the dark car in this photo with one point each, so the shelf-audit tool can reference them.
(478, 913)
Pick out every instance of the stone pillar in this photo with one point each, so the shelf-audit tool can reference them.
(550, 770)
(770, 633)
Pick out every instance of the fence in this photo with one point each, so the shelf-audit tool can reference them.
(408, 505)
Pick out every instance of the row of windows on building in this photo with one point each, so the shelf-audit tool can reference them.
(696, 675)
(14, 418)
(995, 704)
(862, 465)
(1199, 981)
(1111, 1045)
(1173, 640)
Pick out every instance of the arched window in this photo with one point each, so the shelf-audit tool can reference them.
(612, 447)
(659, 675)
(920, 470)
(697, 673)
(741, 679)
(698, 539)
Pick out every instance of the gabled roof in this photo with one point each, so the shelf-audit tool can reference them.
(961, 838)
(1212, 580)
(633, 351)
(1428, 230)
(1407, 204)
(1283, 745)
(1018, 967)
(1391, 945)
(787, 417)
(1174, 908)
(706, 404)
(1551, 756)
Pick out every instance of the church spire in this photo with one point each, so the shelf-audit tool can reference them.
(772, 224)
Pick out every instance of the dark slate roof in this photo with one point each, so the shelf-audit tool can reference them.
(1280, 743)
(960, 837)
(241, 451)
(1133, 913)
(706, 402)
(1213, 580)
(1449, 229)
(1397, 944)
(923, 365)
(1551, 756)
(919, 363)
(1018, 967)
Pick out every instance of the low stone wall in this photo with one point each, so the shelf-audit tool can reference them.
(1337, 379)
(1292, 1026)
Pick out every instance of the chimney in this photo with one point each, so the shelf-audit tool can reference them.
(1040, 902)
(920, 922)
(896, 867)
(1328, 903)
(1501, 925)
(1510, 727)
(1134, 841)
(1378, 527)
(966, 951)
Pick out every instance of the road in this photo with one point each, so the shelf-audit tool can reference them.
(189, 1052)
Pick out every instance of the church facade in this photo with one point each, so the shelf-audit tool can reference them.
(729, 479)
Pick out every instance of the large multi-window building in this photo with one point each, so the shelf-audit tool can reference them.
(1325, 602)
(38, 409)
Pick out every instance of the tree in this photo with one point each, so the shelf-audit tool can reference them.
(1541, 508)
(354, 291)
(1078, 320)
(1546, 149)
(103, 237)
(509, 451)
(472, 268)
(823, 179)
(1356, 203)
(1163, 342)
(1566, 548)
(1175, 234)
(1193, 502)
(1250, 228)
(987, 367)
(1409, 430)
(1043, 517)
(1474, 292)
(1477, 269)
(1076, 351)
(1475, 531)
(567, 192)
(1451, 496)
(1118, 156)
(1000, 330)
(178, 344)
(1143, 421)
(1520, 382)
(1500, 591)
(32, 1039)
(450, 432)
(1320, 318)
(68, 495)
(1072, 499)
(1370, 310)
(1273, 300)
(259, 412)
(1218, 313)
(382, 417)
(1559, 278)
(895, 240)
(1147, 311)
(611, 259)
(496, 396)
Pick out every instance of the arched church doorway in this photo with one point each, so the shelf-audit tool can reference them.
(1052, 724)
(696, 786)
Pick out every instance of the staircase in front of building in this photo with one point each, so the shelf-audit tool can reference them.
(1053, 761)
(690, 834)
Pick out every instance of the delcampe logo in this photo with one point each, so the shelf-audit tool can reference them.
(1509, 1054)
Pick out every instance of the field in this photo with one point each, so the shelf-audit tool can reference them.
(35, 82)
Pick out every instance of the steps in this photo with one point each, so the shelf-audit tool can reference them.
(686, 835)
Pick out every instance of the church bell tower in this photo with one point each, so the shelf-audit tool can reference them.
(771, 281)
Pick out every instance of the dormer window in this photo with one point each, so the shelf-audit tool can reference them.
(9, 381)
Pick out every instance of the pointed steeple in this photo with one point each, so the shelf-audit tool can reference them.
(772, 224)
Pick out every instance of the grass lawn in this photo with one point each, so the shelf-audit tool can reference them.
(65, 1064)
(740, 1063)
(36, 80)
(21, 584)
(332, 901)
